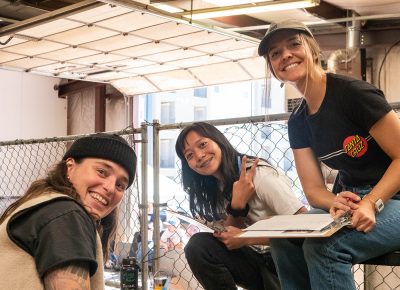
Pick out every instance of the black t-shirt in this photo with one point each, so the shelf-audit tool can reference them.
(55, 233)
(339, 132)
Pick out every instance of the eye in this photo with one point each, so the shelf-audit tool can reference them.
(274, 54)
(102, 172)
(295, 44)
(188, 156)
(121, 186)
(203, 144)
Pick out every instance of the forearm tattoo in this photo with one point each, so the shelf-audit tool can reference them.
(71, 277)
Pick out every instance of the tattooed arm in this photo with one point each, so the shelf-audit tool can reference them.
(70, 277)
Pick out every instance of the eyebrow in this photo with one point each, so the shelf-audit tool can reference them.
(296, 36)
(124, 178)
(195, 143)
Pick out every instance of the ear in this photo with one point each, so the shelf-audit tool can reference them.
(70, 162)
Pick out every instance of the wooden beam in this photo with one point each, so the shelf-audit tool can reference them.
(328, 11)
(243, 21)
(100, 108)
(75, 86)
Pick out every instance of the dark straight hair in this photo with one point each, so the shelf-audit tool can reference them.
(207, 195)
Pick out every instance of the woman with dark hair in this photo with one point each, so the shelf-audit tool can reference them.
(60, 230)
(348, 125)
(220, 187)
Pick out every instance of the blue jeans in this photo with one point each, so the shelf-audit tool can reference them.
(325, 263)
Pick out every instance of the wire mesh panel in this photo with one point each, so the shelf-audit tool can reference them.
(24, 161)
(268, 140)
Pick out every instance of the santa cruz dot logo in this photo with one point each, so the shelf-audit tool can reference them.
(355, 146)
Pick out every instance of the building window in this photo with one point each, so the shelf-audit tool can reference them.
(200, 113)
(265, 96)
(167, 153)
(201, 92)
(167, 112)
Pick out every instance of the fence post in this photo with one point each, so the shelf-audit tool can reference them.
(156, 194)
(144, 208)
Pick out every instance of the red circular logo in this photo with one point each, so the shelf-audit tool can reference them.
(355, 146)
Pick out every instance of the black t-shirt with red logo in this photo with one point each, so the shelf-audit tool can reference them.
(339, 132)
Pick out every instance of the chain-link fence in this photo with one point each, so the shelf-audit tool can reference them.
(24, 161)
(256, 136)
(146, 214)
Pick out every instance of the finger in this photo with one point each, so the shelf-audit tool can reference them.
(336, 213)
(350, 196)
(252, 170)
(353, 205)
(337, 205)
(243, 167)
(355, 219)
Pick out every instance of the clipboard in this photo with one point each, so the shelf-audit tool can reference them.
(208, 227)
(297, 226)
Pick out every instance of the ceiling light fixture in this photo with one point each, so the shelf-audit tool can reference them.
(250, 8)
(166, 7)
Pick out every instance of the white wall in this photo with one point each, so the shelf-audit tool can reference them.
(30, 107)
(389, 78)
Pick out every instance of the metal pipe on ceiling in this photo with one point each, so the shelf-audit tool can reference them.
(324, 21)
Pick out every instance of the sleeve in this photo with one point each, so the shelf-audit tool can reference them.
(298, 136)
(275, 191)
(365, 103)
(56, 233)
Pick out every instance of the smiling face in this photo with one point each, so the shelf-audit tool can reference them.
(100, 184)
(202, 154)
(288, 56)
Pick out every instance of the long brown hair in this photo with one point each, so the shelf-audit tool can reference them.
(56, 180)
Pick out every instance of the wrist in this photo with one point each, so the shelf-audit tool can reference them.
(237, 212)
(375, 202)
(238, 205)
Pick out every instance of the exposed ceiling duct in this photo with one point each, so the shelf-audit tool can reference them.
(340, 59)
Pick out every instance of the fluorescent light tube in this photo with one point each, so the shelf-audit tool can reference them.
(166, 7)
(250, 8)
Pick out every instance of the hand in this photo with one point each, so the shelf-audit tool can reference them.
(228, 238)
(243, 189)
(363, 219)
(344, 201)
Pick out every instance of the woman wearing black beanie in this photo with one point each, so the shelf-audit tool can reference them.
(59, 231)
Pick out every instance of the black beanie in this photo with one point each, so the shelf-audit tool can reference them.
(105, 146)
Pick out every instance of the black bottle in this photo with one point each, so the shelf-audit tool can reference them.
(129, 274)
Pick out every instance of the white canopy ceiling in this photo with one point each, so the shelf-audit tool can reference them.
(136, 52)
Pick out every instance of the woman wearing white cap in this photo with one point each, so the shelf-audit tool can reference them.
(348, 125)
(55, 235)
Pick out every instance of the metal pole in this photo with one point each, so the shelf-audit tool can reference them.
(144, 207)
(156, 194)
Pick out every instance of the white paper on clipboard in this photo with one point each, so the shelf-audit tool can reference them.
(296, 226)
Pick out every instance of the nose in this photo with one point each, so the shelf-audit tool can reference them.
(199, 154)
(109, 185)
(286, 53)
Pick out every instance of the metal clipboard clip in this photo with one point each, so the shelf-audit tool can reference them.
(339, 222)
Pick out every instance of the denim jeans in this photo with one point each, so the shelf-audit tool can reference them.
(325, 263)
(217, 268)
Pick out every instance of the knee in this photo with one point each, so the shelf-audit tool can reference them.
(197, 246)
